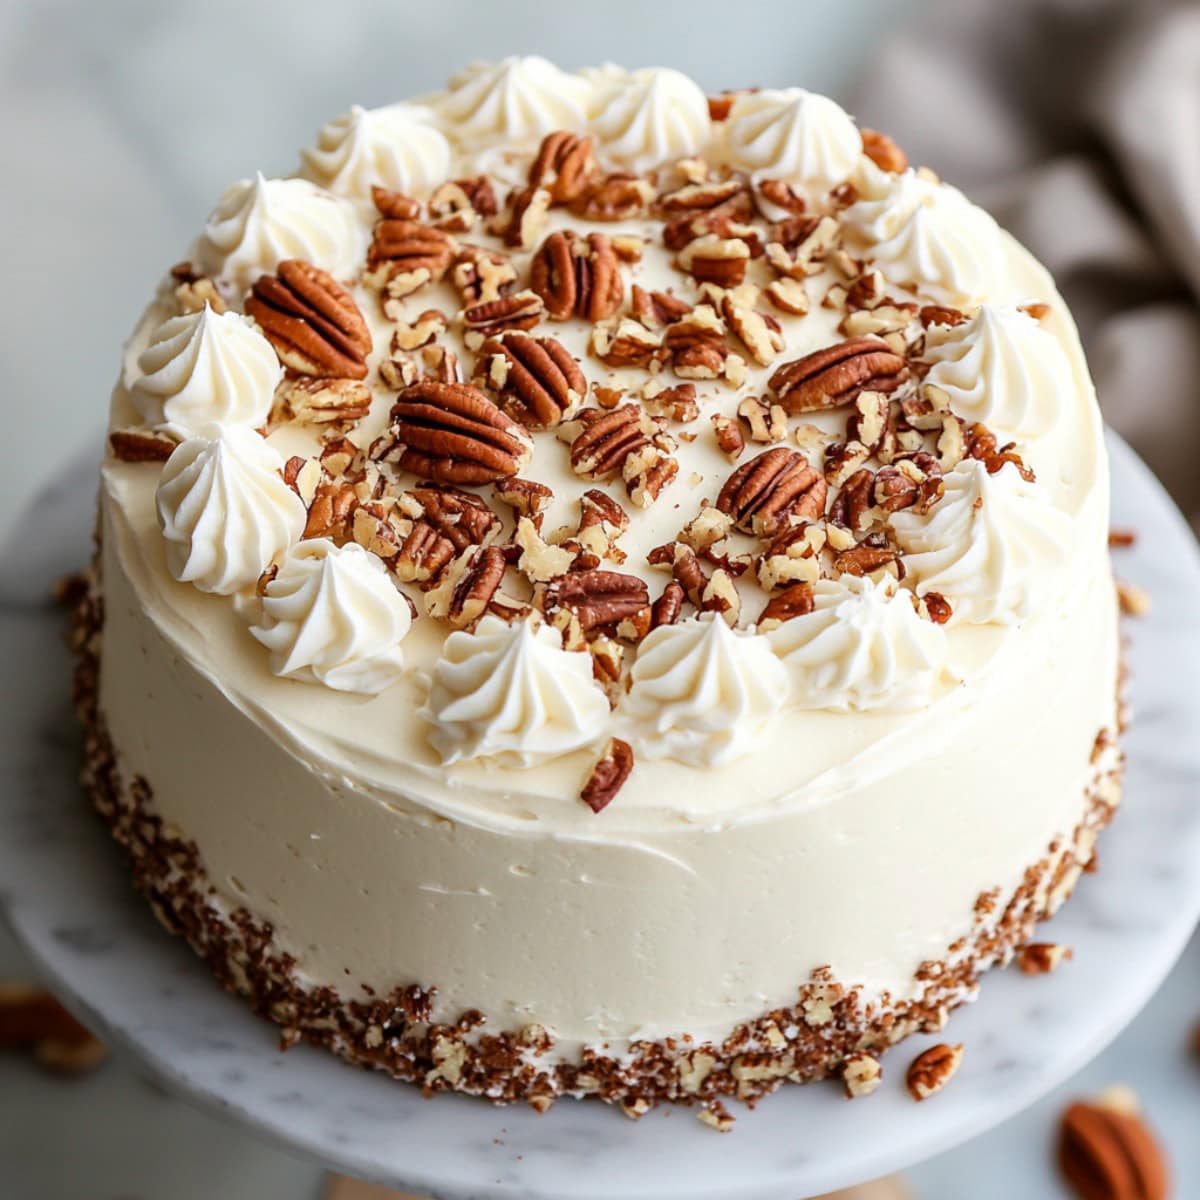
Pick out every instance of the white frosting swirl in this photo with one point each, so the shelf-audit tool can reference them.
(647, 117)
(701, 692)
(259, 222)
(224, 509)
(863, 646)
(396, 147)
(1002, 368)
(793, 133)
(206, 366)
(514, 100)
(920, 231)
(333, 615)
(992, 544)
(511, 693)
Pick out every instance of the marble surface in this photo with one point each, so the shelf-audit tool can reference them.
(66, 896)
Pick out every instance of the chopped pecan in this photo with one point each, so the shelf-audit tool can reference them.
(843, 460)
(714, 259)
(406, 255)
(788, 295)
(851, 507)
(730, 437)
(331, 512)
(684, 564)
(194, 290)
(539, 561)
(791, 557)
(608, 776)
(798, 245)
(423, 555)
(395, 205)
(577, 276)
(311, 320)
(776, 488)
(1107, 1152)
(32, 1019)
(418, 332)
(835, 375)
(619, 197)
(668, 607)
(767, 422)
(647, 471)
(563, 166)
(482, 275)
(537, 381)
(939, 314)
(656, 309)
(601, 522)
(794, 601)
(1041, 958)
(867, 559)
(526, 497)
(520, 310)
(931, 1071)
(466, 586)
(676, 403)
(628, 343)
(452, 433)
(759, 332)
(779, 194)
(324, 401)
(525, 217)
(981, 445)
(596, 598)
(697, 348)
(709, 208)
(141, 445)
(883, 152)
(463, 517)
(936, 608)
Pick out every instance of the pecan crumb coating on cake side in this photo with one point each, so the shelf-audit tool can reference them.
(571, 501)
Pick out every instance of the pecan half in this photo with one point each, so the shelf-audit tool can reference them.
(834, 375)
(520, 310)
(563, 166)
(406, 255)
(931, 1071)
(311, 320)
(577, 277)
(1109, 1154)
(596, 598)
(537, 381)
(605, 439)
(608, 776)
(773, 490)
(452, 433)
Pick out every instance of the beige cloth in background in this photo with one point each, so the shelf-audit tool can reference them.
(1077, 122)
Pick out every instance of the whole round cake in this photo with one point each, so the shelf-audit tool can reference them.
(603, 591)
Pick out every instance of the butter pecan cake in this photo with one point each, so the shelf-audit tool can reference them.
(603, 590)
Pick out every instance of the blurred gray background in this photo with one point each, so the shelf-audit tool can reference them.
(1076, 121)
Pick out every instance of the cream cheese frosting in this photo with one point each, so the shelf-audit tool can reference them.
(512, 694)
(999, 367)
(516, 99)
(397, 147)
(919, 230)
(333, 615)
(993, 543)
(701, 693)
(863, 646)
(259, 222)
(224, 509)
(793, 133)
(648, 117)
(206, 367)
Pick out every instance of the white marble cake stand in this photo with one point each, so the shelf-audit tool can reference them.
(67, 897)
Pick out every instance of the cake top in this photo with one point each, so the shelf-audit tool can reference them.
(614, 419)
